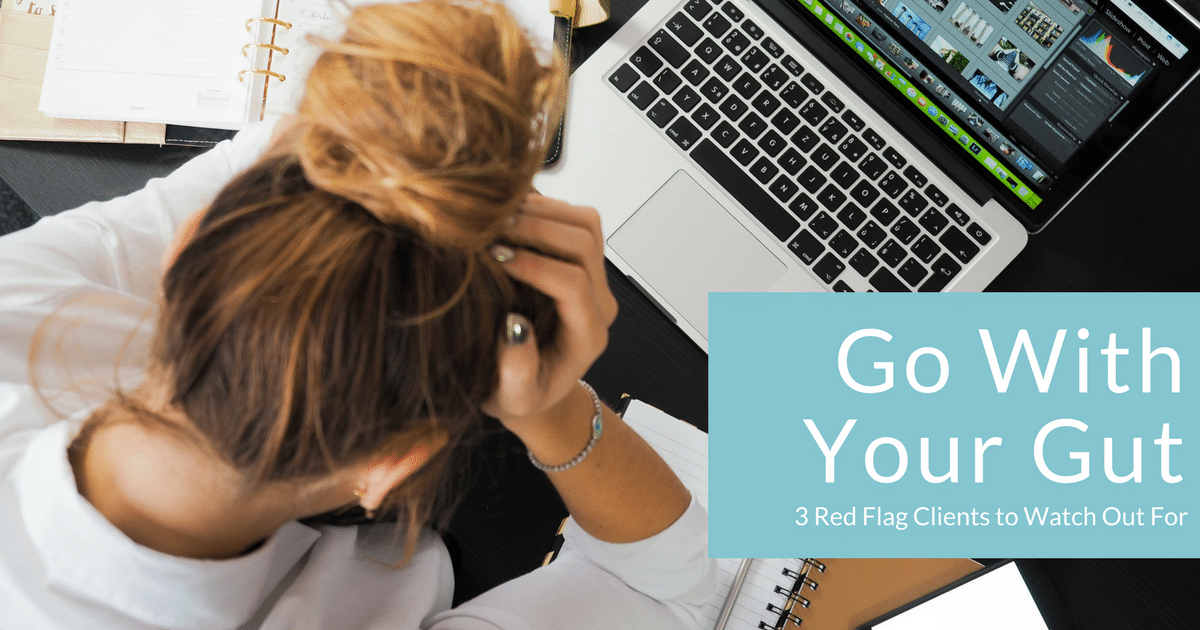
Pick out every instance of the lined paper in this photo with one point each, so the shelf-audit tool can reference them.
(685, 449)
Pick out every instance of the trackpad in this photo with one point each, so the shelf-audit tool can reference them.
(685, 245)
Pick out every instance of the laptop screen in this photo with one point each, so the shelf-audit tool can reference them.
(1037, 95)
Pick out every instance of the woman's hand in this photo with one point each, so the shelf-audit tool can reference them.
(570, 270)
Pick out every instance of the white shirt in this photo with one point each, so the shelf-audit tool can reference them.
(63, 565)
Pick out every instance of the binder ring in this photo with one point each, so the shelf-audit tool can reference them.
(274, 75)
(266, 20)
(816, 563)
(279, 49)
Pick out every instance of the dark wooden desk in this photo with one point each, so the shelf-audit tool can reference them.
(1137, 228)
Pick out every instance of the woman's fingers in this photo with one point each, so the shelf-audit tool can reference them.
(521, 390)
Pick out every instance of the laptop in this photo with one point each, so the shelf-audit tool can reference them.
(854, 145)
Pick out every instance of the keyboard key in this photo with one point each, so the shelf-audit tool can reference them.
(735, 42)
(891, 253)
(783, 188)
(714, 90)
(957, 214)
(864, 193)
(793, 66)
(872, 166)
(706, 116)
(851, 216)
(823, 225)
(772, 143)
(926, 248)
(785, 121)
(793, 94)
(852, 148)
(662, 113)
(905, 231)
(913, 203)
(885, 212)
(725, 134)
(979, 234)
(642, 95)
(844, 175)
(733, 108)
(646, 61)
(773, 77)
(853, 120)
(765, 103)
(772, 48)
(835, 104)
(829, 268)
(812, 179)
(744, 152)
(885, 282)
(863, 262)
(933, 222)
(697, 9)
(752, 30)
(684, 133)
(733, 12)
(695, 72)
(755, 60)
(894, 157)
(958, 244)
(746, 85)
(671, 50)
(813, 112)
(892, 184)
(727, 68)
(832, 198)
(915, 176)
(824, 157)
(843, 244)
(873, 139)
(912, 272)
(806, 247)
(716, 24)
(833, 130)
(944, 271)
(791, 161)
(708, 50)
(935, 195)
(871, 235)
(806, 139)
(687, 99)
(684, 29)
(745, 190)
(667, 81)
(842, 287)
(624, 78)
(813, 85)
(763, 170)
(803, 206)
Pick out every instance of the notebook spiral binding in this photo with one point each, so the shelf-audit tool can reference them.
(250, 24)
(799, 579)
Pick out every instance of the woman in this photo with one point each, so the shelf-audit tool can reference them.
(330, 326)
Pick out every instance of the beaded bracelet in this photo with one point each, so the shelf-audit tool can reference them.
(597, 431)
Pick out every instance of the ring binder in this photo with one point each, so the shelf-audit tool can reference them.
(267, 20)
(279, 49)
(274, 75)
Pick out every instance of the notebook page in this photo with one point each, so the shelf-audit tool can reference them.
(151, 61)
(324, 19)
(685, 449)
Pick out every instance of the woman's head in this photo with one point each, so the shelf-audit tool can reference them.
(336, 301)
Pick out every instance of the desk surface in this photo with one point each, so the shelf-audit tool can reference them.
(1134, 229)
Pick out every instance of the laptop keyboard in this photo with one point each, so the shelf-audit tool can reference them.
(830, 189)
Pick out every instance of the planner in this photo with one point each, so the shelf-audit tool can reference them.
(789, 593)
(217, 63)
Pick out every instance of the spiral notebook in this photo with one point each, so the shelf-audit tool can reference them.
(786, 593)
(216, 63)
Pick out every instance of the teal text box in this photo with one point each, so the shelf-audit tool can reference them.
(774, 362)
